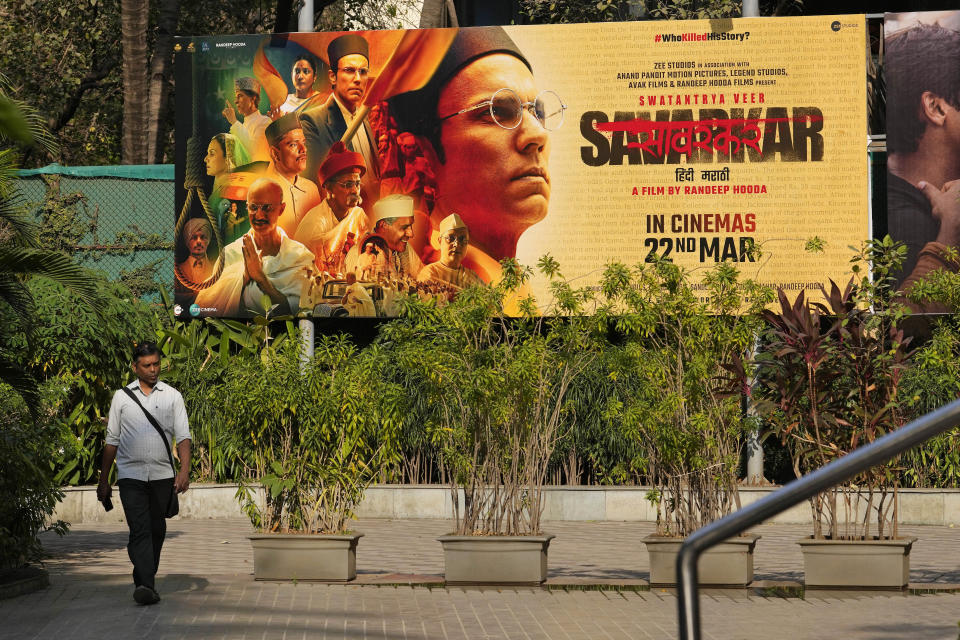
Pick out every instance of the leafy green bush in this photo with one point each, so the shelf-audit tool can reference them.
(29, 491)
(87, 351)
(492, 392)
(670, 392)
(314, 435)
(196, 356)
(933, 380)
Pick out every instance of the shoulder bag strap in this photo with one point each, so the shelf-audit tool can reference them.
(156, 425)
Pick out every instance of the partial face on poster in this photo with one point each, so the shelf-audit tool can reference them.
(922, 77)
(693, 141)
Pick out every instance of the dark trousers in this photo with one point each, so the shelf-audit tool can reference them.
(144, 505)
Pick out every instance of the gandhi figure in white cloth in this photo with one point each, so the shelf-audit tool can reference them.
(454, 240)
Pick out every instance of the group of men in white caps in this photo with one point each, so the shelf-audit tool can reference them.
(310, 214)
(287, 257)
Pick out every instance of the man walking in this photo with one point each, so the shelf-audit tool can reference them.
(145, 476)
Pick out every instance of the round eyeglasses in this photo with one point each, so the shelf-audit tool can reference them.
(506, 109)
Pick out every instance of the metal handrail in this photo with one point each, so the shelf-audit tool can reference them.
(881, 450)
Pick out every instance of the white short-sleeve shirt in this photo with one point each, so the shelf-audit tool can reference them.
(141, 454)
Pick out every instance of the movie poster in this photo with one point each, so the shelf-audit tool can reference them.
(327, 174)
(921, 63)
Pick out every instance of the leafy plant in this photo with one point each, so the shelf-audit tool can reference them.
(933, 380)
(196, 356)
(87, 351)
(313, 435)
(21, 258)
(29, 491)
(672, 396)
(497, 388)
(832, 374)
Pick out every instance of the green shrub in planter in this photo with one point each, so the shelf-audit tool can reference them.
(313, 435)
(830, 374)
(670, 382)
(28, 488)
(493, 389)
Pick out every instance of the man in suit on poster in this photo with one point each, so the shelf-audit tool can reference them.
(323, 125)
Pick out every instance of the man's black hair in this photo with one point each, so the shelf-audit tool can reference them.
(144, 349)
(918, 59)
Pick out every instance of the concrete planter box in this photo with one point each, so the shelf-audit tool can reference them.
(866, 564)
(303, 556)
(514, 560)
(728, 564)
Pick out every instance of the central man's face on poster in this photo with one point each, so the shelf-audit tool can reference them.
(492, 176)
(264, 206)
(453, 247)
(350, 79)
(397, 235)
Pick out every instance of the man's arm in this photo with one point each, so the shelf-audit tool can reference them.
(945, 207)
(182, 482)
(111, 442)
(104, 490)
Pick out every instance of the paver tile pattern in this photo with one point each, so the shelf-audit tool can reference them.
(208, 591)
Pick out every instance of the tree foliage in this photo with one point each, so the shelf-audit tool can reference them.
(64, 60)
(564, 11)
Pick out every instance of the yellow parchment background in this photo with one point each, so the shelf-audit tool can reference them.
(593, 217)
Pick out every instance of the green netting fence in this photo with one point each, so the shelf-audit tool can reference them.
(116, 219)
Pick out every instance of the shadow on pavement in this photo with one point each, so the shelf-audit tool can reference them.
(914, 631)
(76, 544)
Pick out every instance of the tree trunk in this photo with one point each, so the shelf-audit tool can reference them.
(134, 17)
(437, 13)
(285, 16)
(160, 71)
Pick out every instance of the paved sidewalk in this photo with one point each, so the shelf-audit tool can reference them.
(208, 591)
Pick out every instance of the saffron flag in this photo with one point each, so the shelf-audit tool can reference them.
(412, 63)
(270, 78)
(410, 66)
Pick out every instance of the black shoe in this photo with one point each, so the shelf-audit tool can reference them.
(145, 595)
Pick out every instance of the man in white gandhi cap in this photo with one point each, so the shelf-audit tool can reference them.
(393, 221)
(454, 239)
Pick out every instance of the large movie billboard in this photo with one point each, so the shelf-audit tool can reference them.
(697, 141)
(922, 74)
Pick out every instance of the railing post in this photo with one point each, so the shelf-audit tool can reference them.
(688, 598)
(838, 471)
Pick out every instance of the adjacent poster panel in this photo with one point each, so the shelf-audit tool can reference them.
(922, 77)
(697, 141)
